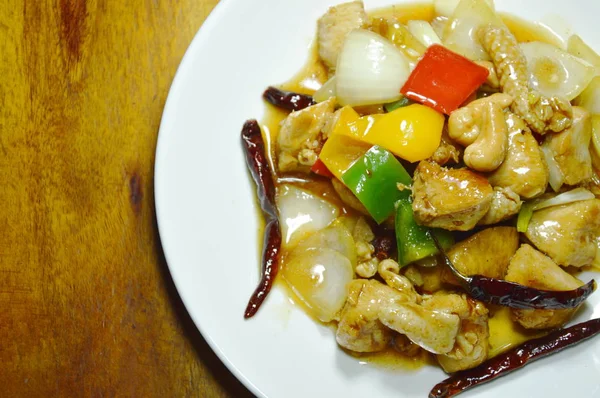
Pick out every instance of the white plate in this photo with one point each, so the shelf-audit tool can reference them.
(208, 225)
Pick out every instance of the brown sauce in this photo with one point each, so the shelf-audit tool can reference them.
(313, 74)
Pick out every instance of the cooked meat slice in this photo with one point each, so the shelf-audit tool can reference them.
(334, 26)
(524, 169)
(531, 268)
(471, 347)
(505, 204)
(570, 149)
(428, 279)
(486, 253)
(567, 233)
(359, 328)
(542, 114)
(453, 199)
(300, 137)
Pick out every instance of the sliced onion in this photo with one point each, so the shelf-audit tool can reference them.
(439, 25)
(461, 31)
(423, 32)
(370, 70)
(302, 213)
(557, 178)
(590, 97)
(445, 8)
(336, 237)
(574, 195)
(580, 49)
(326, 91)
(319, 277)
(596, 262)
(555, 72)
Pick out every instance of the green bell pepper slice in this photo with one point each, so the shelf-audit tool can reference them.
(374, 179)
(413, 240)
(402, 102)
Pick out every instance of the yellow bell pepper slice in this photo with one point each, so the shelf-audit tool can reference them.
(340, 152)
(412, 133)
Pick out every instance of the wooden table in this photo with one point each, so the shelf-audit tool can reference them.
(87, 306)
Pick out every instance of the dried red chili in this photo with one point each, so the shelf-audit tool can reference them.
(287, 100)
(513, 295)
(516, 358)
(256, 159)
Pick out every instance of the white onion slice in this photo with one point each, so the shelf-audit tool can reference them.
(423, 32)
(574, 195)
(557, 178)
(302, 213)
(445, 8)
(460, 34)
(595, 150)
(370, 70)
(580, 49)
(555, 72)
(596, 262)
(590, 97)
(319, 278)
(326, 91)
(336, 237)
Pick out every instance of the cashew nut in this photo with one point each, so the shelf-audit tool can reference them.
(489, 149)
(465, 123)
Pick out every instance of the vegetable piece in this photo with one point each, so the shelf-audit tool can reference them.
(256, 159)
(460, 34)
(574, 195)
(336, 236)
(556, 178)
(423, 32)
(374, 178)
(319, 277)
(556, 73)
(509, 294)
(287, 100)
(443, 79)
(400, 36)
(525, 216)
(319, 168)
(302, 213)
(580, 49)
(516, 358)
(370, 70)
(412, 239)
(326, 91)
(401, 103)
(340, 152)
(590, 97)
(596, 136)
(445, 8)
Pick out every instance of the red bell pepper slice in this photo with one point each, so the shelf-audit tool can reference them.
(443, 79)
(319, 168)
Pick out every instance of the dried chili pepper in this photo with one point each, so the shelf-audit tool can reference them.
(257, 162)
(287, 100)
(514, 295)
(516, 358)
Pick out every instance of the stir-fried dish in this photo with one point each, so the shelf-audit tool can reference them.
(438, 190)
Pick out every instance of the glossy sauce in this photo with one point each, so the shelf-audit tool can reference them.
(504, 334)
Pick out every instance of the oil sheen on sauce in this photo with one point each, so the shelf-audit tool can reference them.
(504, 334)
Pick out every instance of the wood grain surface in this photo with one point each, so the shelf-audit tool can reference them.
(87, 306)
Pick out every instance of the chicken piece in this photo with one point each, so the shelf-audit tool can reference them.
(567, 233)
(471, 347)
(505, 204)
(570, 149)
(486, 253)
(542, 114)
(453, 199)
(300, 138)
(359, 328)
(448, 151)
(524, 170)
(334, 26)
(531, 268)
(465, 124)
